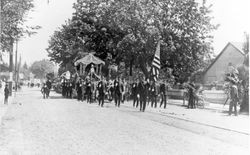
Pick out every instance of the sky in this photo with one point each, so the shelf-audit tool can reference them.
(232, 15)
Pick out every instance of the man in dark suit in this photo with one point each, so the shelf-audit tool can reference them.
(142, 94)
(191, 91)
(153, 95)
(100, 88)
(67, 89)
(134, 94)
(118, 91)
(63, 88)
(71, 86)
(147, 89)
(79, 90)
(49, 85)
(6, 94)
(163, 94)
(88, 91)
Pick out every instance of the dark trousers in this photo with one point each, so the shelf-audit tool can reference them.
(135, 100)
(154, 101)
(89, 97)
(101, 100)
(63, 92)
(48, 92)
(143, 102)
(67, 93)
(163, 100)
(79, 95)
(191, 101)
(117, 99)
(148, 98)
(70, 93)
(233, 104)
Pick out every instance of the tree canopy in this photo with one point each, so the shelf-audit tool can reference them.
(127, 31)
(12, 19)
(41, 68)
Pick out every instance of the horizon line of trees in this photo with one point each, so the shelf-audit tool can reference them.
(125, 33)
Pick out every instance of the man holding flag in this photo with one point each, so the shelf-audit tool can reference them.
(156, 65)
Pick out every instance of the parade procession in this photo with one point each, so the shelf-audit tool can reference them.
(124, 77)
(88, 85)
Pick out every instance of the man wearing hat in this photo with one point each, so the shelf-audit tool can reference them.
(153, 95)
(134, 93)
(79, 90)
(163, 94)
(6, 94)
(232, 78)
(88, 91)
(101, 93)
(142, 87)
(233, 93)
(118, 92)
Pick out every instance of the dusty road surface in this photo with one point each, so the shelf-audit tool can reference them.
(33, 125)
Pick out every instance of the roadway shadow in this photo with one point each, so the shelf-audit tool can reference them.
(244, 113)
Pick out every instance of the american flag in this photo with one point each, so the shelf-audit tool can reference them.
(156, 64)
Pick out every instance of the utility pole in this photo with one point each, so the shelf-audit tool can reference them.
(0, 24)
(16, 65)
(11, 65)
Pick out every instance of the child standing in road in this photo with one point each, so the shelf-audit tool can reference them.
(6, 94)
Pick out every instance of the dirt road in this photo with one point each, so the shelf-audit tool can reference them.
(33, 125)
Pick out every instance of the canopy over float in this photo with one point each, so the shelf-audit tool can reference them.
(89, 59)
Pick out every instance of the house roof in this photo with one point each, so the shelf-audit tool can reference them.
(237, 45)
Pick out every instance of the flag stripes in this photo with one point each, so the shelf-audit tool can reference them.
(156, 64)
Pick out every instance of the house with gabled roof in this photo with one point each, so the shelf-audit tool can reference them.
(232, 54)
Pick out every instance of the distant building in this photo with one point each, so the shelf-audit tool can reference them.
(232, 54)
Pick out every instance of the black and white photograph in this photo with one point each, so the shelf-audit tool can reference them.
(124, 77)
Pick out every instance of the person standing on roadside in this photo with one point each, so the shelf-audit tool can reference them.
(163, 94)
(191, 90)
(49, 85)
(134, 94)
(79, 90)
(142, 95)
(63, 84)
(6, 94)
(147, 89)
(101, 92)
(118, 92)
(89, 91)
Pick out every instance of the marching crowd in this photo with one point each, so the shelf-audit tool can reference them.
(142, 92)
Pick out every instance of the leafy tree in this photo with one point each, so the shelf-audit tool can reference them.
(244, 76)
(129, 30)
(41, 68)
(13, 17)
